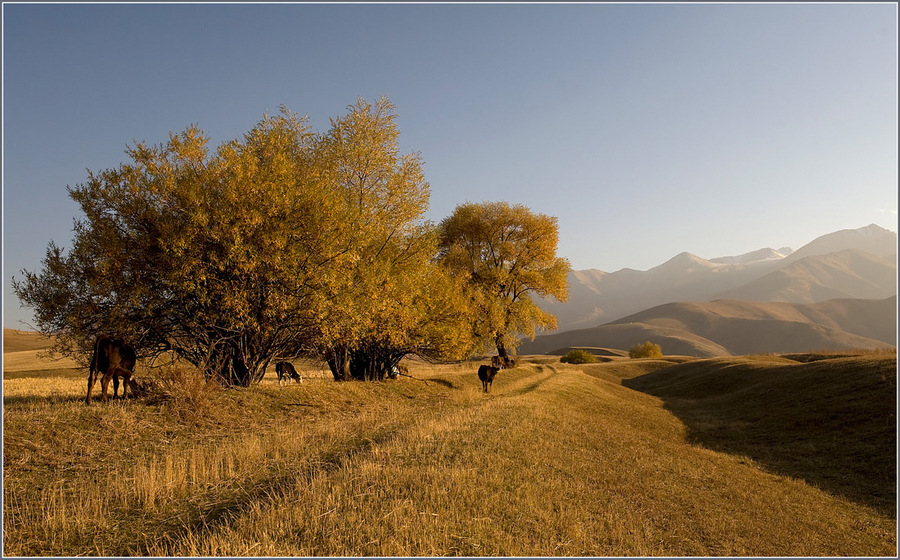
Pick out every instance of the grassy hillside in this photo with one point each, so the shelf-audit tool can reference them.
(727, 327)
(871, 318)
(831, 421)
(673, 340)
(747, 328)
(18, 341)
(599, 352)
(557, 460)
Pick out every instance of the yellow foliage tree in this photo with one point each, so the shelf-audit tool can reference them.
(280, 243)
(506, 253)
(378, 312)
(645, 350)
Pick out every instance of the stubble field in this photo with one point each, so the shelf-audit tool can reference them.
(557, 460)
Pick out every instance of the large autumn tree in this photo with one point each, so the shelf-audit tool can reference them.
(383, 197)
(506, 253)
(281, 243)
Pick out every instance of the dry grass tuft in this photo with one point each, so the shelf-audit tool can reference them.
(185, 389)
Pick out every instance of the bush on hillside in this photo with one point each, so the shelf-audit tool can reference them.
(185, 389)
(578, 357)
(645, 350)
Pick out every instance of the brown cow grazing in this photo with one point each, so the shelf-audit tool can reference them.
(285, 370)
(486, 374)
(112, 358)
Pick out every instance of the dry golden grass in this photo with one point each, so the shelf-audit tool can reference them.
(830, 420)
(29, 360)
(18, 341)
(555, 461)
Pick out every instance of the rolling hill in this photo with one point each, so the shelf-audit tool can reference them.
(728, 327)
(858, 264)
(20, 341)
(754, 407)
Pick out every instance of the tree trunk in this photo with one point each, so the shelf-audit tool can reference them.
(368, 363)
(240, 373)
(501, 350)
(339, 362)
(372, 362)
(233, 367)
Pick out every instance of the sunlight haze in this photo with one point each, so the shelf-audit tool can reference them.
(646, 129)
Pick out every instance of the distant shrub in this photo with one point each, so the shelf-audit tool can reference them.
(578, 357)
(645, 350)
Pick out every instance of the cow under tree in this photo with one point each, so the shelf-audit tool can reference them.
(285, 370)
(486, 374)
(112, 358)
(502, 362)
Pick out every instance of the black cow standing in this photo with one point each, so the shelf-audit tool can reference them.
(112, 358)
(285, 370)
(486, 375)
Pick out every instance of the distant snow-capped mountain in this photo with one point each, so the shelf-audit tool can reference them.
(766, 254)
(845, 264)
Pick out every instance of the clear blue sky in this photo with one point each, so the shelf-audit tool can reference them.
(648, 130)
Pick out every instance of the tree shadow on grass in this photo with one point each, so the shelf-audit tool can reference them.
(443, 382)
(834, 429)
(24, 400)
(65, 373)
(21, 400)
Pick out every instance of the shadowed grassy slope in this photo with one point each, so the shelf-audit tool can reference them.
(830, 422)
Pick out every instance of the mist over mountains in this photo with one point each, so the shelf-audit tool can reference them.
(732, 328)
(857, 263)
(844, 265)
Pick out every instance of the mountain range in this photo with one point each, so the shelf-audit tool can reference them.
(764, 301)
(732, 328)
(860, 263)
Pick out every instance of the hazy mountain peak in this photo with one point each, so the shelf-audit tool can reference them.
(766, 254)
(870, 239)
(683, 261)
(872, 229)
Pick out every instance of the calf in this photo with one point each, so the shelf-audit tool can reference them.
(285, 370)
(112, 358)
(486, 374)
(397, 371)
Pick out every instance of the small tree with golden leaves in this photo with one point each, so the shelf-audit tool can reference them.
(506, 253)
